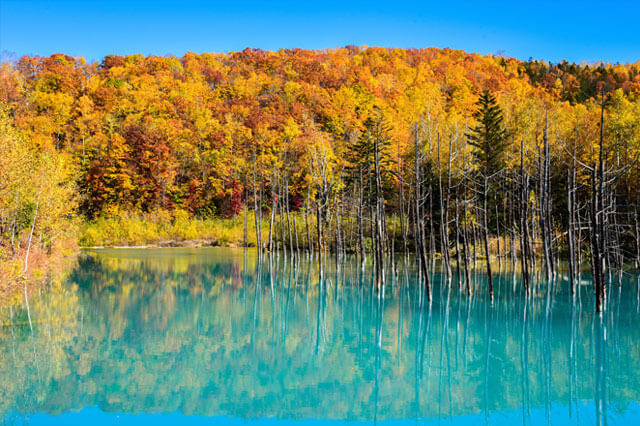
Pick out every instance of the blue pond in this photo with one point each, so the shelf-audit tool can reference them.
(214, 336)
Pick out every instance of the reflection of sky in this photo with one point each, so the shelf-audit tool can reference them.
(559, 415)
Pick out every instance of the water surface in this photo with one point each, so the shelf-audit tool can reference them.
(201, 336)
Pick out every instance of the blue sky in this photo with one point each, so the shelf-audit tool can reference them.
(551, 30)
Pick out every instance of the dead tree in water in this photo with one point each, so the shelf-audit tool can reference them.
(403, 225)
(572, 216)
(307, 213)
(596, 241)
(282, 208)
(360, 212)
(604, 229)
(257, 205)
(545, 205)
(457, 245)
(598, 217)
(524, 221)
(380, 227)
(485, 227)
(444, 213)
(322, 169)
(490, 142)
(418, 216)
(465, 243)
(287, 213)
(570, 231)
(274, 199)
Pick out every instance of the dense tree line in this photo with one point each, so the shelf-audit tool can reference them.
(364, 150)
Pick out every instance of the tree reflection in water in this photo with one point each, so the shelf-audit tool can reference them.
(219, 333)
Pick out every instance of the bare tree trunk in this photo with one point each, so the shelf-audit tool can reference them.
(362, 251)
(597, 237)
(420, 249)
(524, 221)
(570, 233)
(256, 208)
(306, 221)
(596, 258)
(26, 257)
(282, 209)
(444, 214)
(379, 218)
(637, 232)
(274, 199)
(295, 230)
(544, 205)
(245, 213)
(474, 239)
(338, 226)
(499, 251)
(33, 226)
(403, 227)
(320, 241)
(286, 202)
(486, 236)
(465, 247)
(457, 241)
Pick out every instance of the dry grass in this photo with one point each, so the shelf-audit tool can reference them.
(135, 229)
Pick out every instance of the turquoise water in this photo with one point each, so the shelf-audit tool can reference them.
(201, 336)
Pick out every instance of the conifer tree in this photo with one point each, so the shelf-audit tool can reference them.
(488, 137)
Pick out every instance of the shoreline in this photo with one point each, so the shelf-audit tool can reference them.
(43, 269)
(199, 243)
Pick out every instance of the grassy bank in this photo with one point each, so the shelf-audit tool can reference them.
(164, 228)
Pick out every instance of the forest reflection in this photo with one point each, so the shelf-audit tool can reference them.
(219, 333)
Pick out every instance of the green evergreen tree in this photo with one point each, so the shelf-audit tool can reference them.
(490, 142)
(488, 137)
(375, 138)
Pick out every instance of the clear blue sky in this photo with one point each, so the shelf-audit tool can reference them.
(551, 30)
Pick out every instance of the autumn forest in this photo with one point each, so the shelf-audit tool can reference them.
(433, 153)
